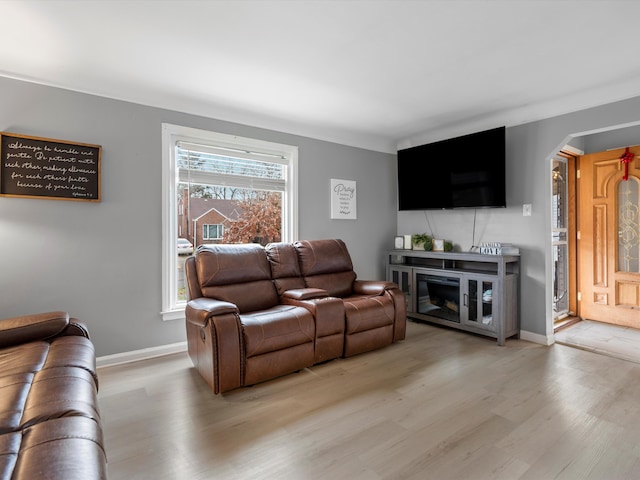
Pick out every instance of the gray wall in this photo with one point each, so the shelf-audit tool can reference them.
(102, 261)
(620, 138)
(529, 148)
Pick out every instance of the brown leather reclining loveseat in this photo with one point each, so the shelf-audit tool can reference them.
(49, 420)
(256, 313)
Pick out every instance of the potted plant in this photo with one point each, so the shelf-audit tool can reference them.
(422, 241)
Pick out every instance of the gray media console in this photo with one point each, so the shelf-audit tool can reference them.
(468, 291)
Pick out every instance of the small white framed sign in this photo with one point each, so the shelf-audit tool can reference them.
(343, 199)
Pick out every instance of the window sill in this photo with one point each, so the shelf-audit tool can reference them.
(173, 315)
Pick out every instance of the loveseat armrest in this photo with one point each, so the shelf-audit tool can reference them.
(29, 328)
(329, 317)
(305, 293)
(214, 342)
(372, 287)
(200, 309)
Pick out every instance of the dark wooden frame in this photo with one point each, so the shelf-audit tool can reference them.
(36, 167)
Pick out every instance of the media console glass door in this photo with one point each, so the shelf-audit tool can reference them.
(478, 300)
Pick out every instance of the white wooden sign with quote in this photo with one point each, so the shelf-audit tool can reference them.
(343, 199)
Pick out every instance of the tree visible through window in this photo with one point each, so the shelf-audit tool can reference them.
(260, 221)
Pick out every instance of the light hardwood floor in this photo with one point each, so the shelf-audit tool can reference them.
(442, 404)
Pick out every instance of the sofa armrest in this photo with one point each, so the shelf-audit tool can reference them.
(77, 328)
(199, 310)
(372, 287)
(29, 328)
(305, 293)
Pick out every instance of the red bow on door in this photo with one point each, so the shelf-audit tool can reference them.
(626, 158)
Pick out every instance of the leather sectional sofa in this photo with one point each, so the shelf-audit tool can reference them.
(255, 313)
(49, 420)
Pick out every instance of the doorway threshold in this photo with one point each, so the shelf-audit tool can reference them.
(565, 322)
(603, 338)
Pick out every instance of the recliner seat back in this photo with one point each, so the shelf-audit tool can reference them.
(326, 264)
(239, 274)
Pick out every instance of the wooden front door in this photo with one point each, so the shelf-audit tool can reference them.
(608, 270)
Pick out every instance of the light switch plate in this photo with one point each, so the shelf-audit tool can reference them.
(526, 210)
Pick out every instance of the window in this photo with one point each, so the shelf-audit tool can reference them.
(220, 188)
(212, 232)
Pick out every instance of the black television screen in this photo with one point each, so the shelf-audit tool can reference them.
(461, 172)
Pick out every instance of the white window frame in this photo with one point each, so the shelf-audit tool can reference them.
(172, 309)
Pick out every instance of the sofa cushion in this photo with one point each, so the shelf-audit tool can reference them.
(277, 328)
(9, 449)
(27, 328)
(49, 419)
(60, 392)
(14, 390)
(26, 358)
(67, 448)
(73, 351)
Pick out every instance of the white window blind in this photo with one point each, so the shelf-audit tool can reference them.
(209, 165)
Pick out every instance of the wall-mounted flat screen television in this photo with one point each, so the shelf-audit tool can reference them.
(461, 172)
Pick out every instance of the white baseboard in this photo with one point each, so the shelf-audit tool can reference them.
(537, 338)
(144, 354)
(152, 352)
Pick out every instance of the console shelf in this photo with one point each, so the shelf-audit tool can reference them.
(468, 291)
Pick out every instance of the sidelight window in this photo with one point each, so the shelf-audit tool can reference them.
(559, 237)
(628, 226)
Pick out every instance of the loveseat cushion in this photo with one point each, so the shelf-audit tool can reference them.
(323, 256)
(326, 264)
(285, 269)
(277, 328)
(239, 274)
(368, 313)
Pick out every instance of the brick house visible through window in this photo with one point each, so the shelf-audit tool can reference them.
(204, 220)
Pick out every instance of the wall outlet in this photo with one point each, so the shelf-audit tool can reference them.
(526, 210)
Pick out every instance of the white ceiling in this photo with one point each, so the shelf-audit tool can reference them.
(373, 74)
